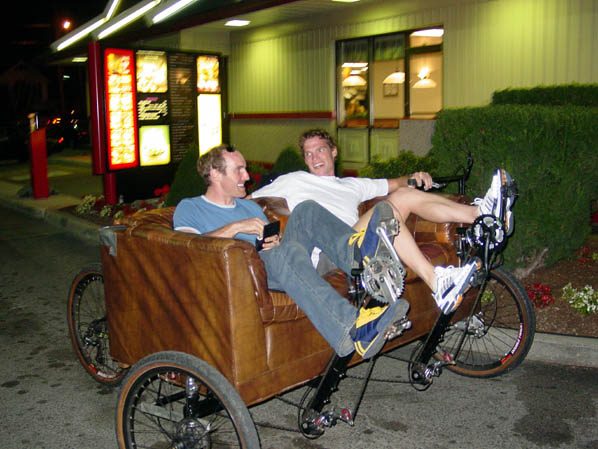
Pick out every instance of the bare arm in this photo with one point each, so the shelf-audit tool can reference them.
(247, 226)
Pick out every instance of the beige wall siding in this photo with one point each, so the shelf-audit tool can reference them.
(518, 43)
(488, 45)
(285, 74)
(263, 140)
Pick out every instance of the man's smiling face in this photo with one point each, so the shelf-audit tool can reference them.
(319, 157)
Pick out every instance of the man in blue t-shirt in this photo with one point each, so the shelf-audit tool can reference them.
(222, 212)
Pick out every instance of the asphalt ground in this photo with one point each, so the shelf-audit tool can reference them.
(70, 176)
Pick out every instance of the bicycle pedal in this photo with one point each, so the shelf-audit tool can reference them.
(397, 328)
(390, 227)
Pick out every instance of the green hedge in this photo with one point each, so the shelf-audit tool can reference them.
(406, 162)
(561, 95)
(551, 152)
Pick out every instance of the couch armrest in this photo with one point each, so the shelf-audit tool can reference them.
(167, 290)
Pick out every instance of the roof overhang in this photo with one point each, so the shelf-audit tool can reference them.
(155, 18)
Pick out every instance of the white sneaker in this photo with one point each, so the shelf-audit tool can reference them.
(499, 195)
(451, 285)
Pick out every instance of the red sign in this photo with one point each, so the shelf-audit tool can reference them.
(119, 75)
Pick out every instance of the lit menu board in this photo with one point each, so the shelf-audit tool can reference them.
(183, 108)
(209, 121)
(120, 115)
(209, 115)
(152, 107)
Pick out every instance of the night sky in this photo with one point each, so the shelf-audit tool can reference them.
(33, 25)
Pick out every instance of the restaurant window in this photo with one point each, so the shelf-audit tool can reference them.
(381, 80)
(353, 83)
(385, 78)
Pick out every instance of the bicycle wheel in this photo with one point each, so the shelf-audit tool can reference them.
(174, 400)
(498, 336)
(88, 328)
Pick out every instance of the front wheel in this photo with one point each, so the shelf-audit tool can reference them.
(498, 336)
(88, 327)
(174, 400)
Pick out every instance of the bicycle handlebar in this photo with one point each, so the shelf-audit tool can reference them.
(442, 181)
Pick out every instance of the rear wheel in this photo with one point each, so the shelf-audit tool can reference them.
(498, 337)
(88, 328)
(174, 400)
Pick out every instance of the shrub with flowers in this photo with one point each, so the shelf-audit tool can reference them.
(585, 258)
(96, 205)
(540, 295)
(585, 301)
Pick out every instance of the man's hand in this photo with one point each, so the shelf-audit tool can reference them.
(422, 178)
(271, 242)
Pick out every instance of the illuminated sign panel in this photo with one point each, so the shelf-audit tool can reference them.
(208, 71)
(120, 114)
(209, 121)
(154, 145)
(152, 107)
(151, 71)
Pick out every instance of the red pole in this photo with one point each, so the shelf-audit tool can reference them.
(39, 164)
(98, 121)
(110, 188)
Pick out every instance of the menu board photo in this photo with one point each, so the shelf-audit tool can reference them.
(152, 73)
(154, 145)
(208, 74)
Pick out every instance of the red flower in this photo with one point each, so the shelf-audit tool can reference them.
(595, 217)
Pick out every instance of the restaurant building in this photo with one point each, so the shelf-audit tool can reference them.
(375, 73)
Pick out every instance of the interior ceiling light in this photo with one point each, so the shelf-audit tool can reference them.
(353, 81)
(125, 18)
(430, 32)
(424, 79)
(79, 59)
(237, 23)
(79, 33)
(395, 78)
(355, 65)
(169, 8)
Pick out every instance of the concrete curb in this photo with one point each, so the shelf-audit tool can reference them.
(77, 227)
(564, 350)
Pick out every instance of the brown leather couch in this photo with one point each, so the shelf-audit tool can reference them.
(208, 297)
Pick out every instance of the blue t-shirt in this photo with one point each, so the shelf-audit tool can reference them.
(204, 216)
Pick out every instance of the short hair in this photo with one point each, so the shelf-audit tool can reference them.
(213, 159)
(317, 132)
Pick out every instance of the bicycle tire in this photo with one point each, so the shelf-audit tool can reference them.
(150, 408)
(88, 328)
(501, 333)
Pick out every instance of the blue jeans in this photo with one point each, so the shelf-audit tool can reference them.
(290, 269)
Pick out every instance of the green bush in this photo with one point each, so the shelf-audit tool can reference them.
(187, 183)
(551, 152)
(289, 160)
(405, 163)
(561, 95)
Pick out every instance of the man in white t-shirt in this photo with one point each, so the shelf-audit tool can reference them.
(222, 212)
(342, 196)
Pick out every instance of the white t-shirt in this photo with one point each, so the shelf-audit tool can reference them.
(341, 196)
